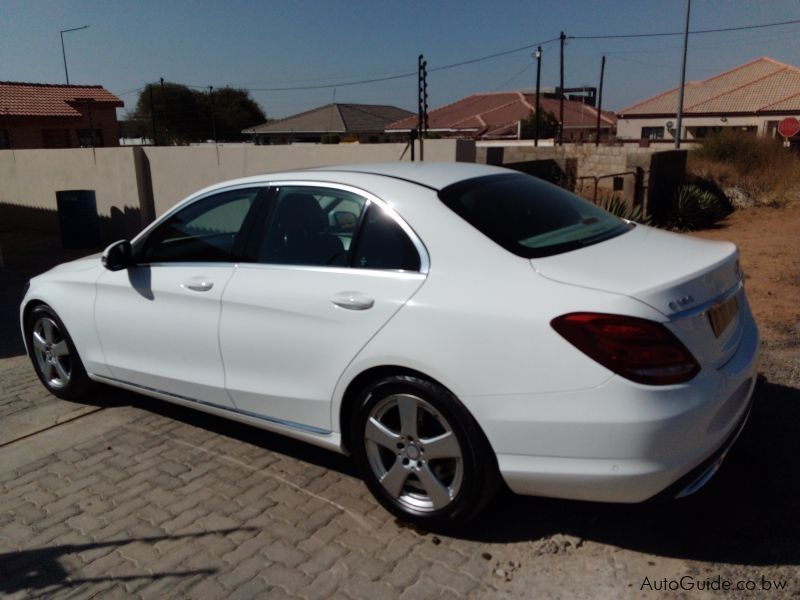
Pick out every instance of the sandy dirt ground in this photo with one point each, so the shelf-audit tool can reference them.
(769, 242)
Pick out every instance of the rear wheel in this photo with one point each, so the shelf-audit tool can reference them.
(421, 453)
(54, 356)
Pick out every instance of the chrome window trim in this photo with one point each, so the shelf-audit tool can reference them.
(394, 273)
(424, 258)
(188, 201)
(422, 251)
(247, 413)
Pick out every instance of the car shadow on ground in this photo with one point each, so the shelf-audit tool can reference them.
(41, 568)
(11, 292)
(749, 513)
(233, 429)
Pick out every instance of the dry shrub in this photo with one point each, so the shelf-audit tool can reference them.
(760, 167)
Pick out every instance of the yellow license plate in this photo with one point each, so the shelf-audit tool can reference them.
(721, 315)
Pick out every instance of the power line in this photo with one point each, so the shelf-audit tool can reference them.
(497, 55)
(490, 56)
(520, 49)
(673, 33)
(527, 66)
(403, 75)
(139, 89)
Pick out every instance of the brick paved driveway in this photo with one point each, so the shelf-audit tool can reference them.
(126, 496)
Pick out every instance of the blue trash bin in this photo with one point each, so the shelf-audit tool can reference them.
(77, 216)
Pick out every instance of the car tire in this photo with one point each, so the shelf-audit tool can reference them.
(54, 355)
(421, 453)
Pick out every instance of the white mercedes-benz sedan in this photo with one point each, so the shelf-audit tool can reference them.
(452, 326)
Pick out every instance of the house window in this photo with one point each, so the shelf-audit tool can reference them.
(704, 132)
(652, 133)
(772, 129)
(55, 138)
(5, 141)
(87, 140)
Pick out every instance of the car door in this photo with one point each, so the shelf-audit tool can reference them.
(332, 266)
(158, 321)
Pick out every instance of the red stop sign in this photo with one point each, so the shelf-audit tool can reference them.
(789, 127)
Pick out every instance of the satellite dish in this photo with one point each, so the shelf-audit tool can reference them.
(670, 125)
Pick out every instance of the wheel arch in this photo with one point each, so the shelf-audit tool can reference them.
(27, 308)
(376, 373)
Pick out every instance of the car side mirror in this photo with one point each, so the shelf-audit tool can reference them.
(118, 256)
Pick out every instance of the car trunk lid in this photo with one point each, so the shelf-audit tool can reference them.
(694, 282)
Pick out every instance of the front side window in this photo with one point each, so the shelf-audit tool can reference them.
(204, 231)
(310, 226)
(530, 217)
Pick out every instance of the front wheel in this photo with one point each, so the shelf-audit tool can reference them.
(54, 356)
(421, 453)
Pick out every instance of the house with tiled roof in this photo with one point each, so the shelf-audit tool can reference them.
(500, 115)
(752, 98)
(332, 122)
(43, 115)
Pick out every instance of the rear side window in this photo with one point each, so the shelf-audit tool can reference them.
(528, 216)
(382, 244)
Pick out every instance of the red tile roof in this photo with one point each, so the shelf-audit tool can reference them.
(496, 114)
(761, 85)
(336, 118)
(50, 100)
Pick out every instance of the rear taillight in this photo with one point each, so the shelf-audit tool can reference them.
(637, 349)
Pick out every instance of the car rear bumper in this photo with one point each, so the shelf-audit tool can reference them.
(621, 441)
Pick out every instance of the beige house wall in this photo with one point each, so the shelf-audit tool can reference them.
(29, 180)
(134, 184)
(591, 160)
(178, 172)
(631, 128)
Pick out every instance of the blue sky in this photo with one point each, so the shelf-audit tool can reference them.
(272, 44)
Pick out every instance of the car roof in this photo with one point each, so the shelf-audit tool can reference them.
(430, 174)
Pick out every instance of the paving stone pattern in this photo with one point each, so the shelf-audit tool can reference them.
(159, 507)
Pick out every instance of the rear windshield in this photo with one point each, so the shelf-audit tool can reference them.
(530, 217)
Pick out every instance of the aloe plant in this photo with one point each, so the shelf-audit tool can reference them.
(692, 208)
(624, 210)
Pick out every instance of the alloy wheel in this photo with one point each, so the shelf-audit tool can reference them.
(51, 352)
(413, 452)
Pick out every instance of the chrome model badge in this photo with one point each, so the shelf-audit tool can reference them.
(681, 303)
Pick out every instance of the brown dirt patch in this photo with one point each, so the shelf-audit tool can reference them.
(769, 246)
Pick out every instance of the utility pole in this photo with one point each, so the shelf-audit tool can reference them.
(683, 75)
(213, 113)
(153, 114)
(422, 102)
(538, 56)
(63, 52)
(164, 108)
(91, 121)
(561, 95)
(600, 99)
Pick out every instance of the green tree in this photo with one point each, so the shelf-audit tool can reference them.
(184, 115)
(548, 125)
(233, 110)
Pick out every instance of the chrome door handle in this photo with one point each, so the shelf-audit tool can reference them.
(352, 301)
(198, 284)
